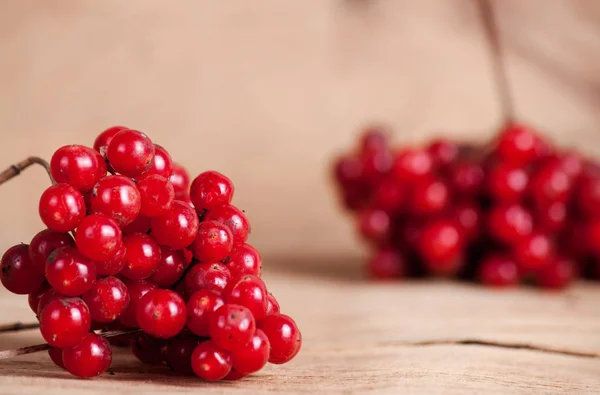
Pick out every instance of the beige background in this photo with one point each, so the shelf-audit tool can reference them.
(267, 91)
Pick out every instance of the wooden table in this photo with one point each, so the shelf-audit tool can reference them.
(365, 337)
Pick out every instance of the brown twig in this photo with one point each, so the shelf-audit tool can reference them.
(41, 347)
(18, 326)
(490, 27)
(16, 169)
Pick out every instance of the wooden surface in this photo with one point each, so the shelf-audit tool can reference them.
(355, 336)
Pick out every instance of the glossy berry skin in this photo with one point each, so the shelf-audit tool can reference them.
(180, 179)
(557, 274)
(210, 190)
(157, 195)
(45, 299)
(234, 218)
(210, 362)
(466, 178)
(161, 313)
(374, 225)
(209, 276)
(507, 183)
(498, 270)
(234, 375)
(56, 356)
(104, 138)
(468, 217)
(443, 152)
(284, 337)
(170, 268)
(412, 165)
(116, 197)
(112, 266)
(387, 263)
(98, 237)
(20, 275)
(107, 300)
(509, 223)
(78, 166)
(64, 322)
(33, 299)
(430, 196)
(148, 349)
(162, 164)
(517, 145)
(61, 207)
(254, 356)
(391, 196)
(130, 153)
(200, 307)
(90, 358)
(44, 243)
(272, 305)
(141, 257)
(441, 242)
(551, 217)
(232, 327)
(533, 252)
(177, 228)
(376, 165)
(588, 196)
(251, 292)
(213, 243)
(69, 272)
(550, 184)
(178, 354)
(141, 224)
(136, 290)
(245, 259)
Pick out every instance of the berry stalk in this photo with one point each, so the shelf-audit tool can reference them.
(17, 168)
(18, 326)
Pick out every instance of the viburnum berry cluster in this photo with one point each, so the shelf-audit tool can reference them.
(515, 210)
(131, 243)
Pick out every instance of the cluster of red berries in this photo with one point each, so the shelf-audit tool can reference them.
(515, 210)
(150, 251)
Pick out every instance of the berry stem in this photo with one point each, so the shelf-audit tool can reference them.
(17, 168)
(491, 31)
(18, 326)
(41, 347)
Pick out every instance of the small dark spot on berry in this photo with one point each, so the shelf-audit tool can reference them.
(230, 336)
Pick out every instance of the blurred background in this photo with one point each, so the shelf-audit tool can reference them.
(267, 92)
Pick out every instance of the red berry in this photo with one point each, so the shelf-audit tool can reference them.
(107, 299)
(413, 164)
(551, 217)
(251, 292)
(181, 182)
(104, 138)
(284, 337)
(20, 275)
(232, 327)
(69, 272)
(443, 152)
(272, 305)
(157, 195)
(386, 264)
(136, 290)
(588, 195)
(533, 252)
(592, 230)
(33, 299)
(572, 164)
(390, 195)
(550, 184)
(507, 183)
(517, 145)
(141, 224)
(113, 265)
(56, 356)
(178, 354)
(65, 322)
(98, 237)
(508, 223)
(210, 190)
(209, 276)
(466, 178)
(430, 196)
(558, 273)
(234, 218)
(373, 139)
(468, 217)
(90, 358)
(130, 153)
(234, 375)
(499, 271)
(200, 307)
(254, 356)
(440, 246)
(61, 207)
(374, 225)
(348, 170)
(148, 349)
(245, 259)
(44, 243)
(118, 198)
(161, 313)
(213, 242)
(376, 165)
(170, 268)
(141, 258)
(210, 362)
(45, 299)
(177, 228)
(162, 164)
(78, 166)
